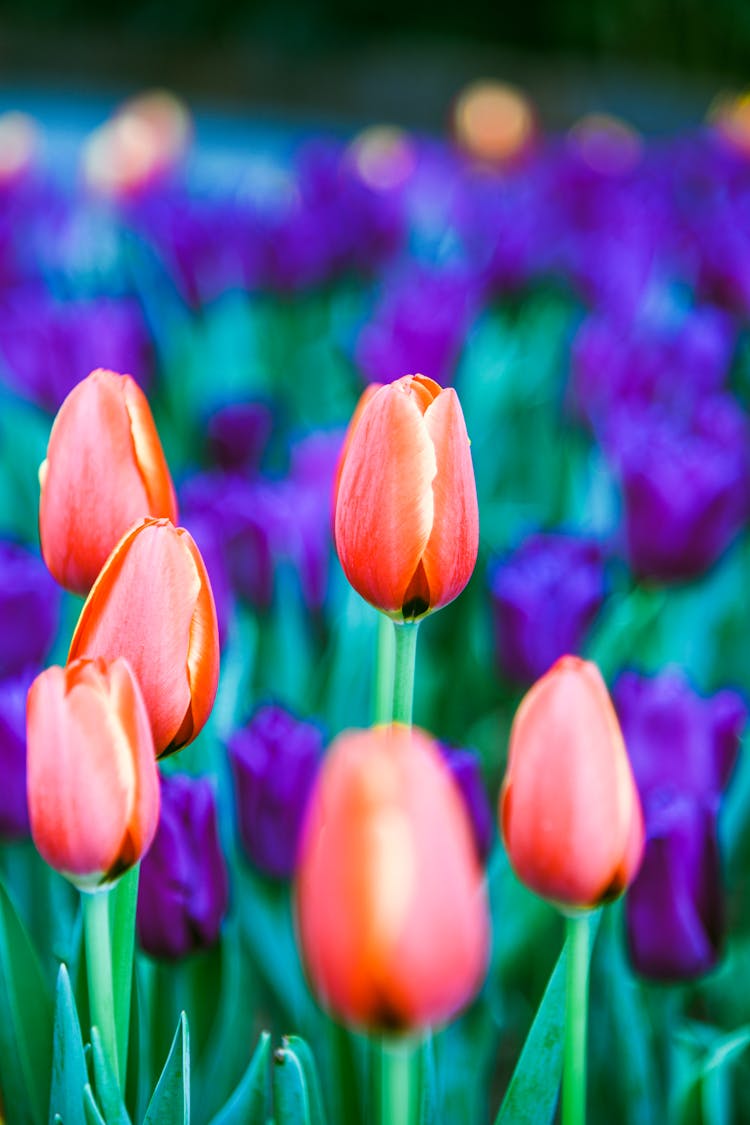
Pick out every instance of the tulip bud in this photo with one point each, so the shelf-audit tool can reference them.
(183, 891)
(104, 471)
(93, 788)
(569, 809)
(391, 904)
(274, 761)
(152, 603)
(406, 523)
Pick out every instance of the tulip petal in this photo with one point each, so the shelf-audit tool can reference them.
(384, 513)
(451, 550)
(203, 651)
(149, 455)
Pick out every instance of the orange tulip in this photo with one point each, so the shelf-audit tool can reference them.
(569, 808)
(93, 786)
(152, 603)
(104, 471)
(391, 902)
(407, 525)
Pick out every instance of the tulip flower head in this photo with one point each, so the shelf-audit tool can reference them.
(152, 603)
(391, 903)
(93, 787)
(406, 521)
(569, 809)
(104, 471)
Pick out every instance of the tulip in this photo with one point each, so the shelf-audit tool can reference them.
(29, 610)
(406, 522)
(569, 809)
(153, 604)
(14, 812)
(183, 892)
(467, 773)
(93, 788)
(105, 470)
(391, 904)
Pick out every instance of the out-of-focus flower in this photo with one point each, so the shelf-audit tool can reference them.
(19, 144)
(494, 122)
(607, 144)
(275, 760)
(236, 436)
(683, 748)
(407, 524)
(685, 485)
(105, 470)
(545, 596)
(419, 324)
(569, 809)
(142, 144)
(29, 610)
(93, 787)
(183, 893)
(729, 116)
(152, 603)
(14, 810)
(46, 344)
(402, 940)
(307, 492)
(465, 766)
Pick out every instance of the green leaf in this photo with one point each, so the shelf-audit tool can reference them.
(299, 1047)
(290, 1094)
(123, 898)
(92, 1111)
(170, 1104)
(26, 1021)
(532, 1093)
(69, 1075)
(248, 1105)
(107, 1086)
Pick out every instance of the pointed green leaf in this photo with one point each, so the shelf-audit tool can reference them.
(248, 1105)
(93, 1113)
(107, 1087)
(170, 1104)
(26, 1021)
(69, 1076)
(300, 1048)
(290, 1096)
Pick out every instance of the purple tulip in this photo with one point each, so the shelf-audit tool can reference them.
(685, 484)
(184, 888)
(545, 597)
(29, 610)
(14, 814)
(682, 747)
(467, 772)
(237, 435)
(275, 760)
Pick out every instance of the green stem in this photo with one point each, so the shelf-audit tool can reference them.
(384, 669)
(99, 972)
(403, 680)
(399, 1082)
(576, 1011)
(124, 900)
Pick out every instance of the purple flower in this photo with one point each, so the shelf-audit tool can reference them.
(466, 769)
(237, 435)
(29, 610)
(275, 760)
(14, 813)
(418, 326)
(545, 596)
(685, 484)
(184, 888)
(682, 747)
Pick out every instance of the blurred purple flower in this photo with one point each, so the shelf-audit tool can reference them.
(47, 346)
(14, 814)
(29, 610)
(275, 760)
(683, 748)
(685, 484)
(184, 889)
(237, 435)
(467, 772)
(545, 596)
(419, 325)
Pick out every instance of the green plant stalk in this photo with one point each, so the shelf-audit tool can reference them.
(576, 1012)
(399, 1082)
(403, 677)
(123, 902)
(384, 670)
(99, 971)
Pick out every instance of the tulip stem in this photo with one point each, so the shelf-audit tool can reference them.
(123, 898)
(99, 972)
(399, 1082)
(403, 680)
(384, 672)
(576, 1011)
